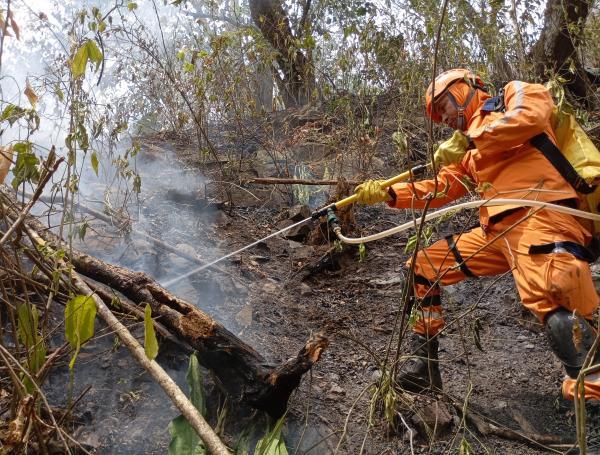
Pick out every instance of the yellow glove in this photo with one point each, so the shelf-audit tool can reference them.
(452, 150)
(370, 192)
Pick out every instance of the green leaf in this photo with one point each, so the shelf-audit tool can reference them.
(80, 315)
(94, 54)
(465, 447)
(272, 443)
(131, 6)
(87, 51)
(79, 61)
(95, 163)
(83, 230)
(150, 342)
(12, 113)
(28, 318)
(26, 166)
(184, 440)
(137, 184)
(362, 252)
(27, 324)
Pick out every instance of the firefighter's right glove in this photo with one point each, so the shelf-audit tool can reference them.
(370, 192)
(453, 150)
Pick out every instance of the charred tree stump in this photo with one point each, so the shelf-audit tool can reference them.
(241, 370)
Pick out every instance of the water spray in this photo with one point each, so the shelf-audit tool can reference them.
(415, 171)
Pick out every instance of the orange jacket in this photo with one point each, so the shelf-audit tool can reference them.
(504, 164)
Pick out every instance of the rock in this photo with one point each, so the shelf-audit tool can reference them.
(376, 375)
(298, 233)
(283, 224)
(258, 259)
(299, 213)
(433, 415)
(300, 251)
(336, 390)
(244, 316)
(529, 346)
(305, 290)
(270, 288)
(522, 338)
(387, 280)
(89, 440)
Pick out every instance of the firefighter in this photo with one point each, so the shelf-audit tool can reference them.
(544, 250)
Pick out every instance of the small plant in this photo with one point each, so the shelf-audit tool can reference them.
(362, 252)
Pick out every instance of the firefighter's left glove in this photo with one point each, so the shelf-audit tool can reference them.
(453, 150)
(370, 192)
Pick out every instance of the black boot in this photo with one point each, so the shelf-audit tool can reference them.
(559, 329)
(422, 370)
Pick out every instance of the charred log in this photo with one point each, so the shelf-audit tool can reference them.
(242, 371)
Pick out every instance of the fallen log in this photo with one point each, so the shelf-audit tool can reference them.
(243, 373)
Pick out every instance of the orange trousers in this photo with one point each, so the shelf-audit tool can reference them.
(545, 282)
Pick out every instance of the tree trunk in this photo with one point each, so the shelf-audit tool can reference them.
(240, 369)
(295, 68)
(556, 50)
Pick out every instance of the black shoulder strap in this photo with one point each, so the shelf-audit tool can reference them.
(553, 154)
(494, 104)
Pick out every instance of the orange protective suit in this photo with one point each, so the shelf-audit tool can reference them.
(504, 164)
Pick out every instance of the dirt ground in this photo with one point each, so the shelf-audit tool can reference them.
(513, 380)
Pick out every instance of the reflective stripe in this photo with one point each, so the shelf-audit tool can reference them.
(429, 313)
(508, 115)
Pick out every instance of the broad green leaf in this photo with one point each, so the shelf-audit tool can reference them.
(95, 163)
(272, 443)
(184, 440)
(80, 60)
(26, 166)
(12, 113)
(80, 315)
(94, 54)
(131, 6)
(150, 342)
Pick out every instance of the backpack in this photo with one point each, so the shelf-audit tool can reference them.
(574, 156)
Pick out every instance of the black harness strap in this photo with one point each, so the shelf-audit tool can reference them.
(457, 256)
(579, 251)
(419, 279)
(553, 154)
